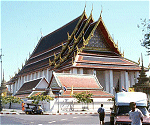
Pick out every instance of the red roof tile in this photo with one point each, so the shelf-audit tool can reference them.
(105, 62)
(78, 80)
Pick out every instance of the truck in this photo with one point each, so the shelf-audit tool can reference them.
(120, 111)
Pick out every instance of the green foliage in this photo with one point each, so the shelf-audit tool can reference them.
(83, 97)
(145, 26)
(11, 99)
(36, 99)
(112, 99)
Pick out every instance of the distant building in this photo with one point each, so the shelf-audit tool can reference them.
(81, 47)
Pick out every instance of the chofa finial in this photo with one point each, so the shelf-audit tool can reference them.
(85, 7)
(101, 10)
(92, 9)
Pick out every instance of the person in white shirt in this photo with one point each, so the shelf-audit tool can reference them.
(135, 115)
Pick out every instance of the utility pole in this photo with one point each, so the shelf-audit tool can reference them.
(1, 89)
(1, 63)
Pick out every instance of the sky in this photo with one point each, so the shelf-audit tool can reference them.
(22, 23)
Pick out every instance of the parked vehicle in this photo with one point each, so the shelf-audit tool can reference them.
(120, 111)
(33, 109)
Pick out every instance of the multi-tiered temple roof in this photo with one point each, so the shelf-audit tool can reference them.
(82, 42)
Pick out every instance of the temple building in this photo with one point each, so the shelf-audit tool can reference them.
(83, 49)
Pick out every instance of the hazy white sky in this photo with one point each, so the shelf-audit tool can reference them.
(22, 22)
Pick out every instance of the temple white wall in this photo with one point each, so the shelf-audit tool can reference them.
(108, 78)
(70, 104)
(21, 80)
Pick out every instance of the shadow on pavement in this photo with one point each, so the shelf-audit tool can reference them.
(107, 123)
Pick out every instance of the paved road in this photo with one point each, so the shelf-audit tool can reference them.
(87, 119)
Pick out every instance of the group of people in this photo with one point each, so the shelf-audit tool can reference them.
(135, 114)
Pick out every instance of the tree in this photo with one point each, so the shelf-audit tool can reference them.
(10, 100)
(84, 97)
(145, 26)
(37, 98)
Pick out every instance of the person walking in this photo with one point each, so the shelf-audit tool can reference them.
(101, 112)
(23, 108)
(135, 115)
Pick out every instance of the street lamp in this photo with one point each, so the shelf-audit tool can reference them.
(57, 91)
(58, 100)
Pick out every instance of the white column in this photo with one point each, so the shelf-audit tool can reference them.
(24, 79)
(107, 80)
(8, 87)
(126, 81)
(47, 75)
(21, 81)
(43, 73)
(74, 70)
(136, 76)
(27, 78)
(15, 87)
(50, 75)
(38, 74)
(17, 84)
(111, 81)
(35, 75)
(81, 70)
(122, 80)
(131, 75)
(71, 71)
(31, 77)
(94, 72)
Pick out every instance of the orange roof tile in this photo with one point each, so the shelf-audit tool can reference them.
(105, 62)
(78, 80)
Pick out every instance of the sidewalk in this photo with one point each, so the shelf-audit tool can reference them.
(20, 112)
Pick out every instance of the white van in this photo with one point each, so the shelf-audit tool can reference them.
(120, 112)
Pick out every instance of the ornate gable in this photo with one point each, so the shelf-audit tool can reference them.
(98, 41)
